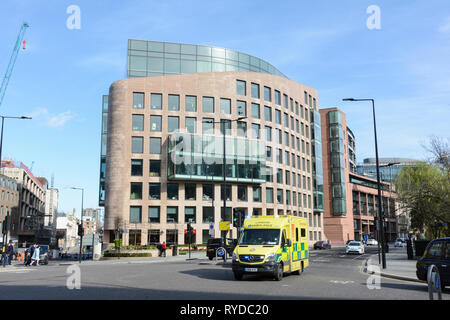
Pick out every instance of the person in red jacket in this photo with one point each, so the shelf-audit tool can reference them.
(163, 248)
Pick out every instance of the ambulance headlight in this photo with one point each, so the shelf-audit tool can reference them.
(235, 257)
(271, 257)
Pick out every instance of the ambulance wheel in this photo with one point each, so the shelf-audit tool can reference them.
(238, 275)
(210, 258)
(279, 272)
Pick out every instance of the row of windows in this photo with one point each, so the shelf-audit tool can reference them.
(289, 178)
(9, 196)
(287, 197)
(4, 211)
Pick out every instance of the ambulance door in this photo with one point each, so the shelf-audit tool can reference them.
(286, 252)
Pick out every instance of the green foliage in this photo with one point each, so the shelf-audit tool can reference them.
(108, 254)
(117, 243)
(139, 247)
(425, 190)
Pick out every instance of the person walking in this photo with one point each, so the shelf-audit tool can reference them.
(35, 256)
(10, 252)
(163, 248)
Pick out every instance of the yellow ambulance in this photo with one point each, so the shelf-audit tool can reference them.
(271, 245)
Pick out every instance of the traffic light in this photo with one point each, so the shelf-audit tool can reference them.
(236, 217)
(80, 230)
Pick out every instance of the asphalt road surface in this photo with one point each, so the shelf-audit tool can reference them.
(331, 275)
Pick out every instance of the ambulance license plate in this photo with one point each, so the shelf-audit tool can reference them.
(251, 269)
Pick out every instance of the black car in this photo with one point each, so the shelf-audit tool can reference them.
(215, 243)
(322, 245)
(437, 252)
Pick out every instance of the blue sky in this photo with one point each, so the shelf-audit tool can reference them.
(61, 76)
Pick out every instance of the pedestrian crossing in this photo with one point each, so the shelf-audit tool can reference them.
(15, 270)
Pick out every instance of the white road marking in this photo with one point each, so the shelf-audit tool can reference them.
(342, 282)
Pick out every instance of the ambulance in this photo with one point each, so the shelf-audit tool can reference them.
(271, 245)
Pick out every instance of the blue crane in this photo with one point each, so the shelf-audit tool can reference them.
(12, 61)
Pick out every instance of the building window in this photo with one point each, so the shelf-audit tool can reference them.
(174, 102)
(225, 127)
(267, 113)
(135, 214)
(277, 97)
(227, 192)
(138, 100)
(240, 88)
(189, 214)
(288, 177)
(269, 195)
(285, 100)
(208, 215)
(269, 154)
(277, 116)
(279, 156)
(136, 167)
(288, 197)
(241, 108)
(156, 101)
(286, 120)
(155, 145)
(269, 174)
(225, 106)
(136, 190)
(154, 191)
(172, 191)
(155, 168)
(267, 94)
(172, 214)
(256, 194)
(279, 196)
(191, 103)
(242, 129)
(208, 104)
(208, 126)
(173, 124)
(255, 90)
(191, 125)
(208, 192)
(154, 214)
(190, 191)
(255, 131)
(138, 122)
(137, 144)
(268, 133)
(155, 123)
(255, 111)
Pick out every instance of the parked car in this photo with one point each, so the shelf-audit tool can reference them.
(437, 252)
(372, 242)
(215, 243)
(322, 245)
(400, 243)
(354, 247)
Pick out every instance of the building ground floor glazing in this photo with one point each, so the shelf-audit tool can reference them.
(171, 206)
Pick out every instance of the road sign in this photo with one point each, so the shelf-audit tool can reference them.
(211, 230)
(224, 225)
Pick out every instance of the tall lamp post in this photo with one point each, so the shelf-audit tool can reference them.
(5, 235)
(380, 209)
(81, 221)
(224, 161)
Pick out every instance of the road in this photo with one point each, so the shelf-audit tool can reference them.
(331, 275)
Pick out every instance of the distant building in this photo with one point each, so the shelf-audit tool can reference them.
(28, 220)
(67, 230)
(350, 199)
(9, 201)
(389, 167)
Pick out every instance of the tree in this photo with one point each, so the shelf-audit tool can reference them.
(425, 191)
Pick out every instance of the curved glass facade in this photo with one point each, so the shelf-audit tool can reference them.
(153, 58)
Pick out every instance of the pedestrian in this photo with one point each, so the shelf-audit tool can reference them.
(164, 247)
(30, 252)
(159, 247)
(35, 256)
(10, 252)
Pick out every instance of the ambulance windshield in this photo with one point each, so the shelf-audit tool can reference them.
(260, 237)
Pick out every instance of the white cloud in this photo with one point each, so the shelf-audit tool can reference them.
(53, 121)
(445, 28)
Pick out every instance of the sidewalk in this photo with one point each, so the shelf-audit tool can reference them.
(397, 265)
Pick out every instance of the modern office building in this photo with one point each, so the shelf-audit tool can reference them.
(350, 199)
(162, 144)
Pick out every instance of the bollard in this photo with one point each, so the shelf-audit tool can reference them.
(434, 282)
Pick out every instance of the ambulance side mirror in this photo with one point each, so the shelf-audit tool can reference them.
(288, 242)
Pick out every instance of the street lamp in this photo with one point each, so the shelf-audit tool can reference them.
(380, 210)
(224, 160)
(81, 221)
(1, 147)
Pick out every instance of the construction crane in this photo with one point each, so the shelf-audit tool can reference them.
(12, 61)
